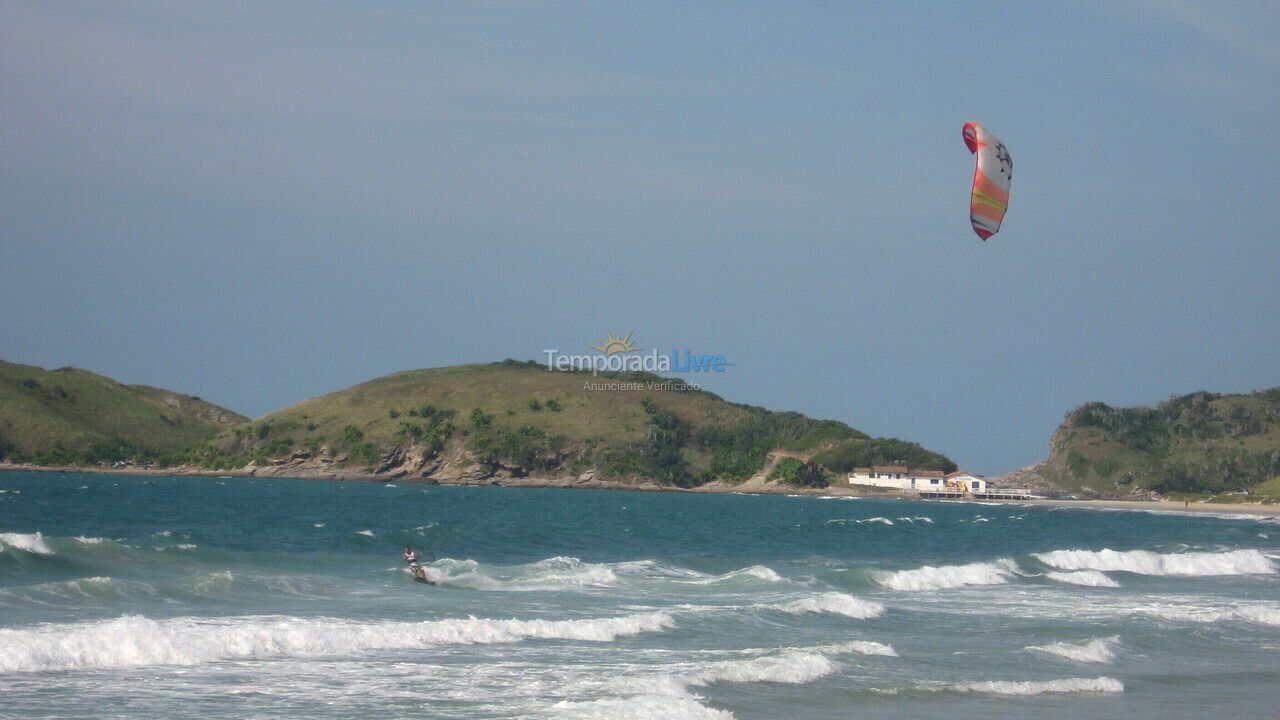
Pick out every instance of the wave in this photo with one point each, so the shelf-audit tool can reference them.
(1038, 687)
(1089, 578)
(1257, 614)
(861, 647)
(1093, 651)
(681, 706)
(834, 603)
(753, 573)
(948, 576)
(557, 573)
(789, 666)
(1145, 562)
(134, 641)
(28, 542)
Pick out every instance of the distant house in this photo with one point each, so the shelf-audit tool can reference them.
(927, 483)
(968, 482)
(898, 477)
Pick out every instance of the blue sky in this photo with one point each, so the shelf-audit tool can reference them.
(259, 203)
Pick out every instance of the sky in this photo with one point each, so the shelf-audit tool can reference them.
(258, 203)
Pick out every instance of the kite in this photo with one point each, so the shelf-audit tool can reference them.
(992, 172)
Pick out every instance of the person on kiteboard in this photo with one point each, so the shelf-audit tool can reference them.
(412, 558)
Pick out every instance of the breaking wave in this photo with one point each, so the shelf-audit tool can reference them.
(1093, 651)
(1088, 578)
(30, 542)
(134, 641)
(666, 695)
(1145, 562)
(557, 573)
(834, 603)
(948, 576)
(1257, 614)
(1039, 687)
(755, 572)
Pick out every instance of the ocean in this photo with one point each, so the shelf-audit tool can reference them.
(182, 597)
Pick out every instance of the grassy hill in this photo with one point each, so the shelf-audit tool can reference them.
(517, 419)
(1196, 443)
(75, 417)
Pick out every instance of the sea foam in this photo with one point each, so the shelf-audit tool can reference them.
(755, 572)
(134, 641)
(1040, 687)
(1088, 578)
(833, 603)
(30, 542)
(1093, 651)
(556, 573)
(948, 576)
(1145, 562)
(1257, 614)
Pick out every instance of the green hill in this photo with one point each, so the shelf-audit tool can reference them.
(75, 417)
(1196, 443)
(517, 419)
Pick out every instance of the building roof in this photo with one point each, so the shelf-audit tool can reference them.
(890, 468)
(927, 473)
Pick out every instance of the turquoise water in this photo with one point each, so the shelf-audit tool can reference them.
(125, 596)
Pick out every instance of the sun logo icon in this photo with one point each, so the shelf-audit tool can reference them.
(616, 345)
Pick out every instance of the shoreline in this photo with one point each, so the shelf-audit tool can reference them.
(748, 487)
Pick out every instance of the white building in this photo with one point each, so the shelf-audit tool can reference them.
(968, 482)
(931, 483)
(899, 477)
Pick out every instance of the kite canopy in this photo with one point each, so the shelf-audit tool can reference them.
(993, 170)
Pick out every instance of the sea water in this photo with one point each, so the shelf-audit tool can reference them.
(128, 596)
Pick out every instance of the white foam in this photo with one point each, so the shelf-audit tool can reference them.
(134, 641)
(758, 572)
(557, 573)
(366, 533)
(834, 603)
(653, 568)
(917, 518)
(572, 571)
(948, 576)
(861, 647)
(1258, 614)
(30, 542)
(1094, 651)
(1040, 687)
(667, 695)
(789, 666)
(649, 706)
(90, 540)
(881, 520)
(1089, 578)
(1145, 562)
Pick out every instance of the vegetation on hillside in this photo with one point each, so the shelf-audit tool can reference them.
(517, 418)
(1196, 443)
(75, 417)
(502, 419)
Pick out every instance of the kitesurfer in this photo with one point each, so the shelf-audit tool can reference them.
(412, 558)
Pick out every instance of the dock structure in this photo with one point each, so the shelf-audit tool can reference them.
(934, 483)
